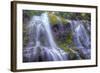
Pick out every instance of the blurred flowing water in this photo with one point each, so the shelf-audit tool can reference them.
(81, 37)
(41, 46)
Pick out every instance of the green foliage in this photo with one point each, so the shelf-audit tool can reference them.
(33, 12)
(72, 53)
(66, 43)
(69, 38)
(65, 16)
(64, 21)
(75, 16)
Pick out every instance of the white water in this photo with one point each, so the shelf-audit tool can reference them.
(81, 38)
(42, 47)
(49, 51)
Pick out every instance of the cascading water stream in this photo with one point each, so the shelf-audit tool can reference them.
(81, 38)
(49, 51)
(57, 51)
(42, 47)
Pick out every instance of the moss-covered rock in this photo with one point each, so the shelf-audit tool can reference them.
(54, 20)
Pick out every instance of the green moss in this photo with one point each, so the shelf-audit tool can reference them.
(63, 46)
(72, 53)
(54, 20)
(32, 13)
(68, 40)
(64, 21)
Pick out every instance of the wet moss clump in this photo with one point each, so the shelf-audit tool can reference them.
(54, 19)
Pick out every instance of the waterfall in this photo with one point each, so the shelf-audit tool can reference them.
(81, 38)
(41, 46)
